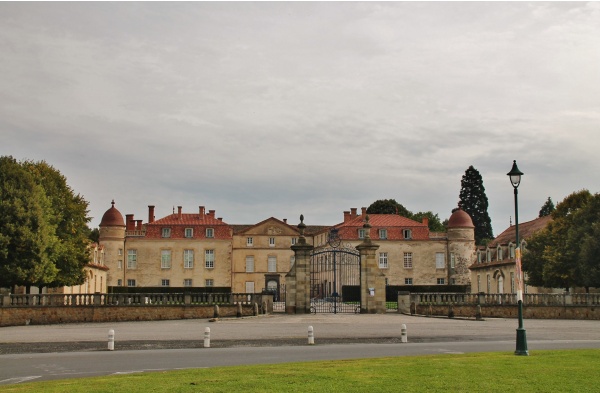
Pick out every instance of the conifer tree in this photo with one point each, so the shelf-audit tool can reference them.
(472, 199)
(547, 208)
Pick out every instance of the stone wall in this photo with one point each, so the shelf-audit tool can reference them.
(508, 311)
(42, 315)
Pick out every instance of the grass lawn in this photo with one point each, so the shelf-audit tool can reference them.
(542, 371)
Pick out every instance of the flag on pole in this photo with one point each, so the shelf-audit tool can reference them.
(519, 274)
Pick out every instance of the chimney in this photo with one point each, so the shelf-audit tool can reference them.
(179, 212)
(129, 222)
(150, 214)
(285, 220)
(426, 221)
(220, 219)
(346, 216)
(353, 212)
(211, 213)
(201, 211)
(364, 211)
(138, 226)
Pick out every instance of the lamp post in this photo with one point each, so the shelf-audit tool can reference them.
(515, 179)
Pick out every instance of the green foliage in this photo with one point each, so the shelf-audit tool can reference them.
(94, 235)
(62, 222)
(565, 253)
(390, 206)
(542, 371)
(547, 208)
(473, 200)
(27, 233)
(435, 225)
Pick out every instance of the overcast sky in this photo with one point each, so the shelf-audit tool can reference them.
(277, 109)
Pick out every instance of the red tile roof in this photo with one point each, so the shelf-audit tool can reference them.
(526, 230)
(187, 219)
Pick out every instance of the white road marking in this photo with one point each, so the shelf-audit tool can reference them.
(19, 379)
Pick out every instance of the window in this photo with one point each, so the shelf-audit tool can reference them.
(408, 281)
(120, 251)
(441, 281)
(271, 242)
(452, 260)
(209, 282)
(294, 240)
(119, 282)
(272, 264)
(209, 259)
(249, 286)
(383, 233)
(164, 282)
(189, 232)
(511, 251)
(478, 283)
(489, 283)
(165, 259)
(249, 264)
(188, 259)
(362, 233)
(499, 254)
(120, 264)
(166, 232)
(131, 283)
(488, 255)
(440, 260)
(407, 233)
(408, 260)
(478, 256)
(210, 232)
(131, 259)
(187, 282)
(453, 281)
(383, 260)
(249, 242)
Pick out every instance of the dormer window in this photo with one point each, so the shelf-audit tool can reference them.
(383, 234)
(189, 232)
(166, 232)
(210, 232)
(488, 255)
(499, 253)
(362, 233)
(407, 233)
(511, 250)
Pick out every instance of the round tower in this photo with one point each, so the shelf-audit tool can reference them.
(112, 237)
(461, 245)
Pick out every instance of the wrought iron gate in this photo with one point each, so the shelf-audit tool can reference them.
(335, 279)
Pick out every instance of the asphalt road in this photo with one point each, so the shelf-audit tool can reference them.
(267, 340)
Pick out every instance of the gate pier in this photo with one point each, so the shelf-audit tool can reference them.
(372, 279)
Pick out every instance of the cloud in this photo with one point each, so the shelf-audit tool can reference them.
(273, 109)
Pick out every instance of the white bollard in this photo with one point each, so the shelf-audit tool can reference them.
(311, 336)
(207, 337)
(404, 337)
(111, 340)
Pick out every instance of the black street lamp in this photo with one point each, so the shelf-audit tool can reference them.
(515, 179)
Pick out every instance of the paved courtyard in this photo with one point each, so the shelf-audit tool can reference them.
(273, 330)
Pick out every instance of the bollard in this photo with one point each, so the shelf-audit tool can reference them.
(404, 336)
(207, 337)
(111, 340)
(311, 336)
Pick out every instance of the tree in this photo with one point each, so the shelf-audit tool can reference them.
(565, 253)
(472, 199)
(68, 213)
(27, 235)
(94, 235)
(388, 206)
(547, 208)
(435, 225)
